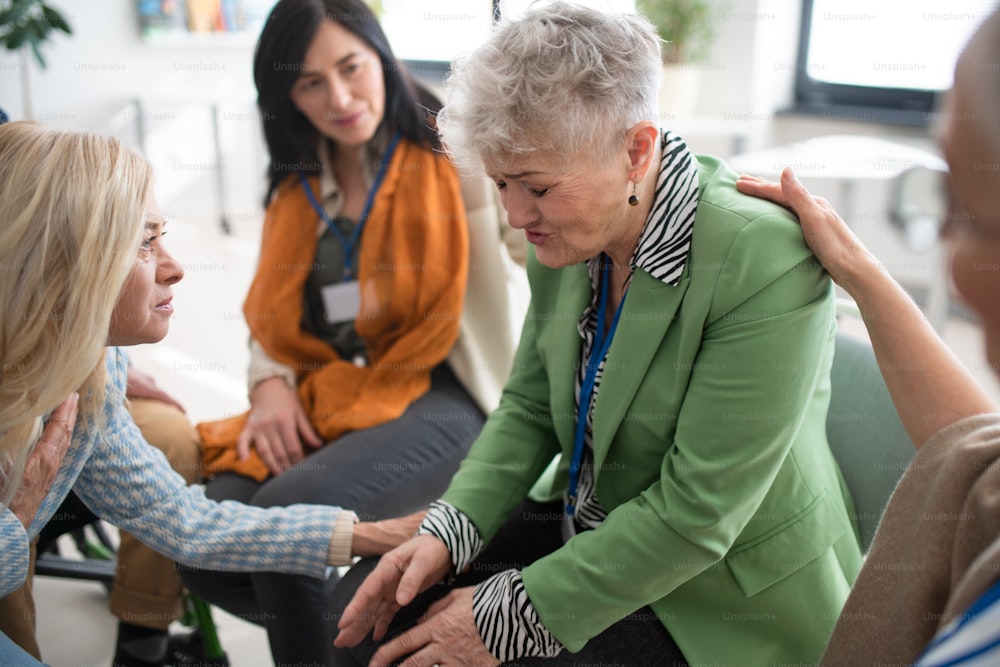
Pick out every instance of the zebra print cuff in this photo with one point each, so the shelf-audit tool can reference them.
(450, 525)
(507, 621)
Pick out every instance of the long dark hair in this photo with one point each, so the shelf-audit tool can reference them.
(291, 139)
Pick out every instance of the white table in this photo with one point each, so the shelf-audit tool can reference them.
(846, 158)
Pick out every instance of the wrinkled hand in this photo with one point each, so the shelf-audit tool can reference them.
(376, 537)
(44, 462)
(400, 575)
(826, 234)
(277, 426)
(142, 385)
(446, 635)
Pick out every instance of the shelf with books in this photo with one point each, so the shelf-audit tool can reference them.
(212, 40)
(202, 22)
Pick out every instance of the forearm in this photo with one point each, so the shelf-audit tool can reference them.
(377, 537)
(928, 384)
(263, 367)
(14, 558)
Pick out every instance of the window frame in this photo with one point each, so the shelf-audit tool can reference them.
(898, 106)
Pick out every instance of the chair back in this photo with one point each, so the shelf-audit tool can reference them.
(866, 436)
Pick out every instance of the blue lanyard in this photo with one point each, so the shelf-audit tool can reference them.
(597, 353)
(348, 244)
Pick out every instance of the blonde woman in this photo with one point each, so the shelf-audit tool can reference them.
(83, 267)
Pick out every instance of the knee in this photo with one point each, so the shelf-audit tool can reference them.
(349, 584)
(199, 582)
(271, 494)
(169, 430)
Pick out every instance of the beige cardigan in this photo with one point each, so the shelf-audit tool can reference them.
(936, 551)
(495, 297)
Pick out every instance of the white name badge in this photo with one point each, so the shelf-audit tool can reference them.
(342, 301)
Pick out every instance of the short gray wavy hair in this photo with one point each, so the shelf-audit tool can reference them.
(563, 78)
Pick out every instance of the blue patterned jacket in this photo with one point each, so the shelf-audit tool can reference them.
(132, 486)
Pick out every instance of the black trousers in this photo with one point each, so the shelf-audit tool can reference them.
(383, 472)
(532, 531)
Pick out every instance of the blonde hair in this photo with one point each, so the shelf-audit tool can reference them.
(563, 78)
(71, 218)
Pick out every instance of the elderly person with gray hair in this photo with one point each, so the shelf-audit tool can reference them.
(675, 356)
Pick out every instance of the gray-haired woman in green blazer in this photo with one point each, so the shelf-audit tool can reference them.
(676, 355)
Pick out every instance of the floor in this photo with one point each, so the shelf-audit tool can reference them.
(202, 363)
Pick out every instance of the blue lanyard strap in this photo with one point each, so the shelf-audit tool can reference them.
(597, 353)
(349, 244)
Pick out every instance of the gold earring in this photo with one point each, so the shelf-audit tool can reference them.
(633, 200)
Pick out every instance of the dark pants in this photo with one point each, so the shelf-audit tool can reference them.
(383, 472)
(531, 531)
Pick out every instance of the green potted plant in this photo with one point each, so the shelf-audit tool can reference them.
(24, 24)
(687, 28)
(377, 9)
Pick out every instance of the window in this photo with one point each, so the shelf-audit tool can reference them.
(435, 31)
(881, 59)
(515, 8)
(440, 30)
(429, 35)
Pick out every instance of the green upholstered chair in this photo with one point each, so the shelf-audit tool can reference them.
(865, 433)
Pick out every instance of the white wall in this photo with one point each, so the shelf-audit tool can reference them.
(749, 76)
(97, 72)
(94, 75)
(104, 64)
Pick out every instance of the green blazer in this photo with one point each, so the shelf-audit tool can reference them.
(727, 513)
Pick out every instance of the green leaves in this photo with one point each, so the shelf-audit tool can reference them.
(29, 22)
(13, 14)
(56, 20)
(686, 26)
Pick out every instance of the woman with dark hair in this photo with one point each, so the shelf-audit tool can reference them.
(288, 129)
(369, 376)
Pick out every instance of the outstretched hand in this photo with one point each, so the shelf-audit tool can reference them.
(827, 235)
(400, 575)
